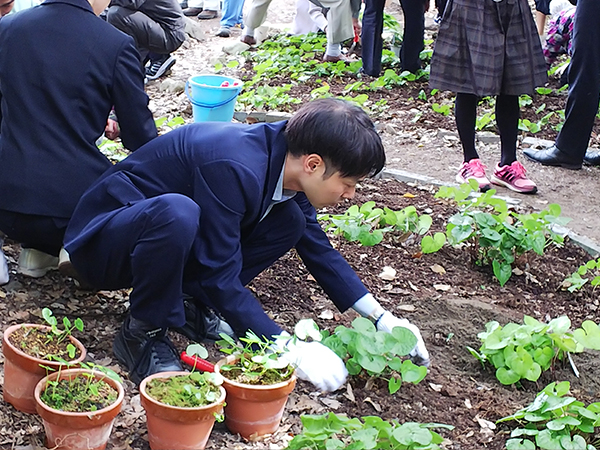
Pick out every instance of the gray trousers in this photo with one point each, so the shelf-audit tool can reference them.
(339, 18)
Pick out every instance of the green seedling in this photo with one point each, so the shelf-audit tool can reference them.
(576, 281)
(366, 350)
(61, 335)
(485, 121)
(82, 393)
(331, 431)
(444, 109)
(496, 235)
(368, 224)
(259, 362)
(188, 391)
(525, 351)
(554, 421)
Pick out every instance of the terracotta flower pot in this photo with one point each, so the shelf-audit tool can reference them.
(77, 430)
(22, 371)
(253, 410)
(172, 427)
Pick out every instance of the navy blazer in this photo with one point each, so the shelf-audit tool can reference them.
(230, 171)
(62, 69)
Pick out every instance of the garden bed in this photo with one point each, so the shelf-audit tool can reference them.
(450, 308)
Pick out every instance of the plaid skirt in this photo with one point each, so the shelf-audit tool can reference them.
(487, 47)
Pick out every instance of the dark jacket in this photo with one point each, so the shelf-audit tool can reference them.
(61, 71)
(230, 171)
(167, 13)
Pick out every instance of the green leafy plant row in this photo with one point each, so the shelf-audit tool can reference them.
(366, 350)
(498, 236)
(576, 280)
(368, 224)
(525, 351)
(555, 421)
(331, 432)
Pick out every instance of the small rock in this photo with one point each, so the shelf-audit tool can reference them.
(390, 129)
(487, 137)
(388, 273)
(193, 29)
(235, 48)
(172, 86)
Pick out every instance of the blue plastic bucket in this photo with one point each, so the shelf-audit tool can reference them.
(211, 101)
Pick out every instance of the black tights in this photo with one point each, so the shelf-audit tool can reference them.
(507, 120)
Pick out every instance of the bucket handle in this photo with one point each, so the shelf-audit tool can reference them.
(206, 105)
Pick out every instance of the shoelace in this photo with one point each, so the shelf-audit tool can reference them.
(475, 168)
(517, 169)
(155, 67)
(158, 344)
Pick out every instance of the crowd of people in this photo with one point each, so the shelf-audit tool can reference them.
(187, 220)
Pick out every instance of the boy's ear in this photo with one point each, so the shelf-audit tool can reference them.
(312, 163)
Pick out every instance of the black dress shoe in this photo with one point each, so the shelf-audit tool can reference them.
(592, 158)
(552, 156)
(202, 324)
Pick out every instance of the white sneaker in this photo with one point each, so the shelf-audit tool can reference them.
(34, 263)
(3, 265)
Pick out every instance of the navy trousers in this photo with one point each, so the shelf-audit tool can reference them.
(584, 81)
(371, 40)
(43, 233)
(414, 31)
(412, 42)
(148, 245)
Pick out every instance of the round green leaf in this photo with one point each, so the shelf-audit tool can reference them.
(519, 444)
(507, 376)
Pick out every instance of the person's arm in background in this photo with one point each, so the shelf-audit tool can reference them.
(130, 100)
(316, 14)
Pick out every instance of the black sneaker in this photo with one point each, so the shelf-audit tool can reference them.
(159, 67)
(145, 353)
(202, 324)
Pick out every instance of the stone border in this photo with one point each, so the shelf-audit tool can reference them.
(584, 242)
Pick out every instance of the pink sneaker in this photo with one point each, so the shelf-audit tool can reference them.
(514, 177)
(475, 170)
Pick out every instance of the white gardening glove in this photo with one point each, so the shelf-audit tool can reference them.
(316, 363)
(419, 355)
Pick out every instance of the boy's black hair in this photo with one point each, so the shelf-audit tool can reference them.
(339, 132)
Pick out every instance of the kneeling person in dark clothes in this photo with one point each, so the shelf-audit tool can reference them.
(157, 26)
(204, 209)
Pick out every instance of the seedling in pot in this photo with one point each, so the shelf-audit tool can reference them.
(82, 393)
(188, 391)
(53, 345)
(259, 360)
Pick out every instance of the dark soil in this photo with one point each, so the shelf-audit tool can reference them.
(41, 344)
(450, 308)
